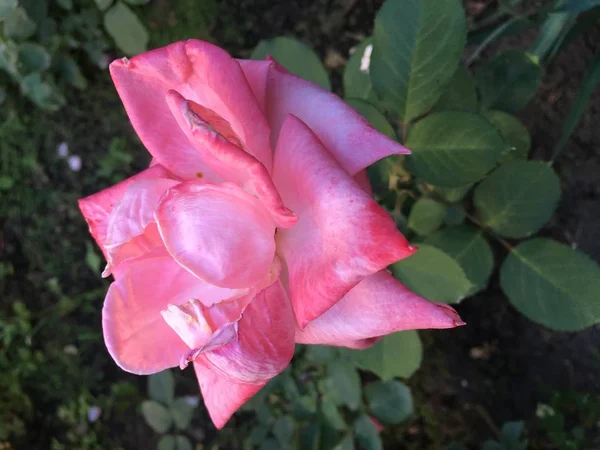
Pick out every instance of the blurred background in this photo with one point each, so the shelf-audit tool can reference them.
(64, 135)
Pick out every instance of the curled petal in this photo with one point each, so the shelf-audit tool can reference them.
(136, 335)
(97, 208)
(217, 232)
(196, 69)
(377, 306)
(343, 131)
(228, 159)
(131, 231)
(342, 235)
(231, 374)
(135, 211)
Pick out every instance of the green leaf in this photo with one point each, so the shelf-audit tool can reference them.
(357, 82)
(389, 401)
(426, 216)
(34, 57)
(270, 444)
(103, 4)
(347, 443)
(157, 416)
(92, 260)
(332, 415)
(452, 149)
(416, 50)
(517, 198)
(295, 57)
(65, 4)
(161, 387)
(469, 247)
(125, 28)
(366, 434)
(583, 97)
(18, 25)
(508, 81)
(434, 275)
(579, 5)
(344, 382)
(455, 215)
(372, 114)
(396, 355)
(283, 430)
(510, 435)
(167, 442)
(7, 7)
(43, 93)
(452, 195)
(310, 436)
(320, 354)
(183, 443)
(515, 135)
(137, 2)
(183, 411)
(304, 407)
(552, 284)
(70, 72)
(460, 95)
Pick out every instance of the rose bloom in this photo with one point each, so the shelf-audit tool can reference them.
(253, 229)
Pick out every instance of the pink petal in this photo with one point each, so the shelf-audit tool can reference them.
(227, 159)
(136, 335)
(202, 73)
(222, 396)
(218, 232)
(342, 235)
(256, 74)
(96, 208)
(363, 181)
(131, 229)
(344, 132)
(377, 306)
(231, 374)
(137, 247)
(135, 211)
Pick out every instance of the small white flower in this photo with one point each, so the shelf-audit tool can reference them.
(74, 162)
(70, 349)
(94, 414)
(365, 60)
(192, 400)
(62, 150)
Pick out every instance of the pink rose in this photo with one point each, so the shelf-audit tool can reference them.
(252, 230)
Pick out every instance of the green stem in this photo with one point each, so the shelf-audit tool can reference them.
(553, 31)
(583, 96)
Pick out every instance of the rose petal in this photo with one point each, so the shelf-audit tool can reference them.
(135, 211)
(377, 306)
(231, 374)
(228, 160)
(136, 335)
(218, 232)
(342, 235)
(202, 73)
(222, 396)
(362, 178)
(131, 231)
(96, 208)
(344, 132)
(256, 74)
